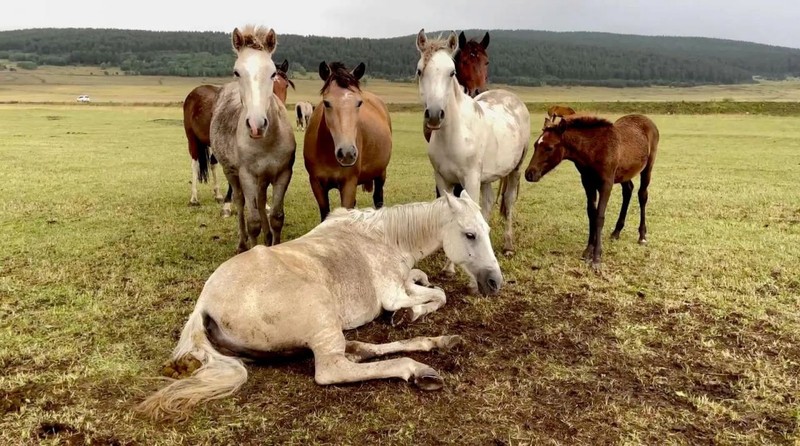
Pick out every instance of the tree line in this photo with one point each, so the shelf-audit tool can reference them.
(517, 57)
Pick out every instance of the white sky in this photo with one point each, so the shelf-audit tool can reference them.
(775, 22)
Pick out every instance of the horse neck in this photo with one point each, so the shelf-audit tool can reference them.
(416, 228)
(582, 146)
(464, 107)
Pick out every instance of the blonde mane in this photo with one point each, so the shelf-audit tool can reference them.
(432, 46)
(255, 37)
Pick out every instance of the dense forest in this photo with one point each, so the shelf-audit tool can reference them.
(517, 57)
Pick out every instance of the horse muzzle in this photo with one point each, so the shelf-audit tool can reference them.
(347, 156)
(256, 132)
(532, 176)
(433, 118)
(489, 281)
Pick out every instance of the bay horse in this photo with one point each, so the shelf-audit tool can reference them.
(303, 110)
(304, 293)
(559, 110)
(604, 154)
(348, 141)
(474, 141)
(197, 109)
(253, 138)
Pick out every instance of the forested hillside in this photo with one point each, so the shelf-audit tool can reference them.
(517, 57)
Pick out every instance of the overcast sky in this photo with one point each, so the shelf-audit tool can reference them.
(774, 22)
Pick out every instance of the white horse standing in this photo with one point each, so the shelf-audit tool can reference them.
(303, 110)
(474, 141)
(339, 276)
(253, 138)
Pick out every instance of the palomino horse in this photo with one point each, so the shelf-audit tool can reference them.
(349, 139)
(474, 141)
(253, 138)
(604, 154)
(303, 293)
(303, 110)
(197, 109)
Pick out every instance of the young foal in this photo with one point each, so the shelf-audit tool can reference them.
(348, 141)
(253, 138)
(303, 293)
(475, 141)
(604, 154)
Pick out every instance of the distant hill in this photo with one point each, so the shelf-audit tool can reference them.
(517, 57)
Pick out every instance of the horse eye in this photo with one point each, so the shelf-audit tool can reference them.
(236, 73)
(327, 104)
(274, 74)
(453, 73)
(419, 73)
(359, 103)
(470, 235)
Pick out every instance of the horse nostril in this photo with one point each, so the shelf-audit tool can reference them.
(427, 114)
(492, 284)
(340, 153)
(529, 176)
(247, 122)
(441, 115)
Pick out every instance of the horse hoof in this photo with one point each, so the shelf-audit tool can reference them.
(643, 241)
(615, 235)
(219, 199)
(596, 267)
(509, 252)
(194, 203)
(451, 342)
(429, 380)
(402, 316)
(225, 213)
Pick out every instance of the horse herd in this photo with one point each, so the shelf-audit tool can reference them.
(302, 294)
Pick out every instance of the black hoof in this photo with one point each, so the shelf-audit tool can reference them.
(402, 317)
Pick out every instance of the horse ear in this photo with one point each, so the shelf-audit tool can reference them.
(464, 195)
(462, 40)
(271, 41)
(358, 72)
(324, 71)
(452, 42)
(422, 40)
(237, 39)
(485, 41)
(452, 201)
(284, 66)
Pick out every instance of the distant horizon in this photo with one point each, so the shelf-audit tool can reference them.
(409, 34)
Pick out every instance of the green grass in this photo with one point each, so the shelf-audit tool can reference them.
(692, 339)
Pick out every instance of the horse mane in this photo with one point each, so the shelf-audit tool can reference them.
(585, 122)
(431, 47)
(254, 37)
(286, 78)
(342, 76)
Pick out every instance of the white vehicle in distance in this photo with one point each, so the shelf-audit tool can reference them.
(84, 98)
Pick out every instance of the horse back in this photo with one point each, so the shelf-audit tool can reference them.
(198, 108)
(638, 140)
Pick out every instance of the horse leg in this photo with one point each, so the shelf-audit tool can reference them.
(263, 217)
(487, 200)
(276, 215)
(627, 191)
(226, 202)
(591, 212)
(332, 366)
(238, 197)
(507, 207)
(443, 186)
(193, 201)
(321, 195)
(602, 203)
(250, 190)
(348, 193)
(377, 194)
(361, 351)
(644, 183)
(215, 180)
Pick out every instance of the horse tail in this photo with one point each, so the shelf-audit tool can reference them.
(218, 376)
(202, 160)
(368, 186)
(299, 110)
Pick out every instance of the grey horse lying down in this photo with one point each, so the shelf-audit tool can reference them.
(302, 294)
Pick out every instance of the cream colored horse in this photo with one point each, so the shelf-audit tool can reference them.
(474, 142)
(339, 276)
(303, 110)
(253, 138)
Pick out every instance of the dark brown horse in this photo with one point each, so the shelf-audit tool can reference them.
(605, 154)
(348, 141)
(197, 111)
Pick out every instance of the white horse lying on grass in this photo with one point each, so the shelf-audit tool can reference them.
(303, 293)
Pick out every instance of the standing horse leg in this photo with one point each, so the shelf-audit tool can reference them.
(193, 201)
(348, 193)
(507, 207)
(276, 215)
(238, 197)
(321, 195)
(591, 212)
(644, 183)
(627, 191)
(377, 194)
(263, 218)
(487, 200)
(250, 190)
(602, 203)
(215, 180)
(226, 202)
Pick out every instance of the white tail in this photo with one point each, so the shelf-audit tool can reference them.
(218, 377)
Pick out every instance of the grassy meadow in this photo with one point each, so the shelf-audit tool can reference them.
(692, 339)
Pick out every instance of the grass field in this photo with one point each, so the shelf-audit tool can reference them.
(693, 339)
(65, 84)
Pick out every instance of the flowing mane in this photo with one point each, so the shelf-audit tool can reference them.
(342, 76)
(586, 122)
(431, 47)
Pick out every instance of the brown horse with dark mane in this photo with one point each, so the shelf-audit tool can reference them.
(605, 154)
(197, 110)
(348, 141)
